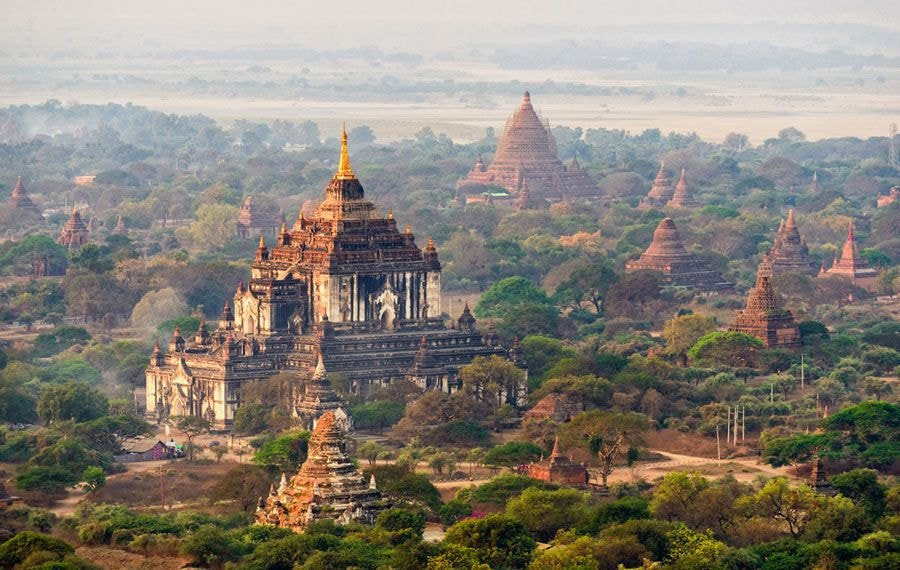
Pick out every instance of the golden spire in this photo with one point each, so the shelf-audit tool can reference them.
(391, 214)
(408, 229)
(344, 171)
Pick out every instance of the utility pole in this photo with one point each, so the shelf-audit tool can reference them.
(802, 375)
(892, 159)
(743, 423)
(718, 445)
(735, 425)
(772, 393)
(728, 425)
(162, 488)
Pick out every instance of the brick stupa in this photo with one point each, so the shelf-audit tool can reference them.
(319, 397)
(74, 234)
(851, 266)
(559, 469)
(119, 229)
(764, 317)
(661, 191)
(682, 198)
(19, 199)
(789, 253)
(328, 486)
(678, 266)
(527, 154)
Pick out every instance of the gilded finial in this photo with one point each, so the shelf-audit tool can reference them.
(344, 170)
(391, 214)
(408, 229)
(262, 242)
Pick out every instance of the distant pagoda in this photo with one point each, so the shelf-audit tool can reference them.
(558, 469)
(763, 317)
(678, 266)
(851, 266)
(661, 191)
(253, 222)
(328, 486)
(19, 200)
(789, 253)
(119, 229)
(814, 185)
(75, 233)
(818, 479)
(527, 154)
(319, 397)
(682, 198)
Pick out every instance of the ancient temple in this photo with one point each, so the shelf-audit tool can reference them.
(527, 154)
(74, 234)
(764, 317)
(119, 229)
(19, 200)
(661, 192)
(789, 253)
(851, 266)
(318, 398)
(558, 469)
(889, 198)
(678, 266)
(818, 479)
(345, 284)
(253, 222)
(328, 486)
(682, 198)
(814, 185)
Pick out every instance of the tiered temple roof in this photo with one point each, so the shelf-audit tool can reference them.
(678, 266)
(328, 486)
(19, 199)
(75, 233)
(559, 469)
(527, 153)
(764, 317)
(851, 266)
(682, 198)
(661, 191)
(789, 253)
(253, 222)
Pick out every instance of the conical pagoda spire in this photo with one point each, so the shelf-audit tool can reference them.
(556, 452)
(789, 253)
(19, 199)
(763, 316)
(851, 265)
(682, 198)
(344, 171)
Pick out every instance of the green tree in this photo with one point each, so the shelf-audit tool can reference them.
(512, 453)
(782, 502)
(507, 293)
(71, 401)
(499, 541)
(59, 339)
(586, 552)
(607, 435)
(191, 427)
(283, 453)
(863, 488)
(542, 353)
(252, 418)
(24, 544)
(156, 307)
(377, 415)
(729, 348)
(682, 332)
(243, 484)
(676, 495)
(214, 225)
(587, 284)
(94, 478)
(544, 513)
(404, 487)
(211, 547)
(494, 381)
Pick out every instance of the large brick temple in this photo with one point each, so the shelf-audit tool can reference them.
(527, 155)
(764, 317)
(789, 253)
(344, 284)
(851, 266)
(678, 266)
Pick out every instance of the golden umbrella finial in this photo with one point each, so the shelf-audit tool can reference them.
(344, 170)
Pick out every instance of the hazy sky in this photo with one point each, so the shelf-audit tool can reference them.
(423, 25)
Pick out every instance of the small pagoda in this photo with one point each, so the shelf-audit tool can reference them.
(253, 222)
(851, 266)
(764, 318)
(661, 191)
(119, 229)
(559, 469)
(682, 198)
(328, 486)
(318, 398)
(818, 479)
(75, 233)
(19, 200)
(428, 373)
(527, 154)
(678, 266)
(789, 253)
